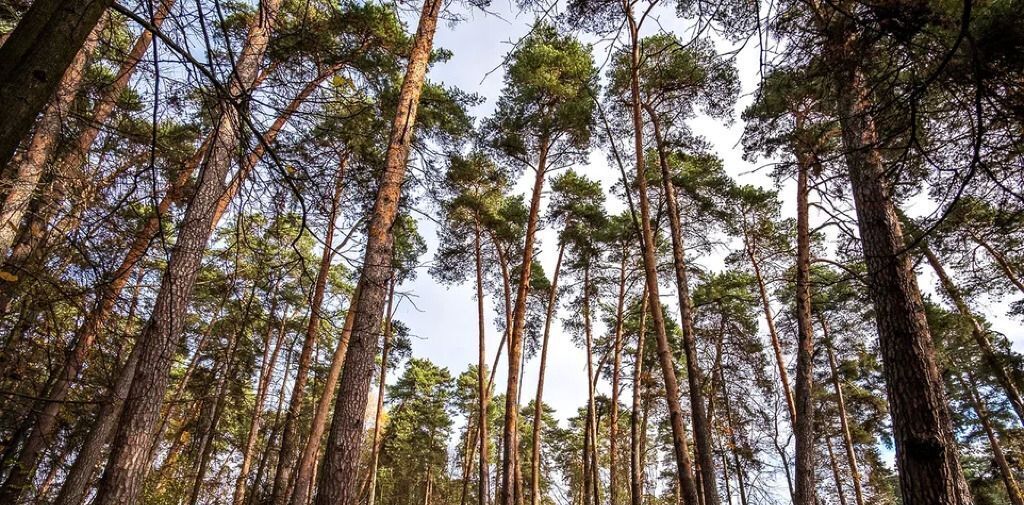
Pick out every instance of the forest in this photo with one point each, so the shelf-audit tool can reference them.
(542, 252)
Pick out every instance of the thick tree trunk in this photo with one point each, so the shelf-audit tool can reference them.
(695, 376)
(338, 481)
(34, 59)
(538, 402)
(1012, 488)
(289, 454)
(27, 167)
(304, 475)
(687, 486)
(378, 420)
(509, 488)
(803, 425)
(483, 388)
(926, 452)
(637, 460)
(995, 362)
(851, 455)
(122, 480)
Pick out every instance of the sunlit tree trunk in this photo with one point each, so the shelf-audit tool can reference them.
(378, 421)
(687, 486)
(844, 423)
(338, 479)
(1012, 488)
(637, 460)
(538, 402)
(482, 373)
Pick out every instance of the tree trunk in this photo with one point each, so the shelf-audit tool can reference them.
(851, 455)
(1000, 260)
(840, 492)
(509, 490)
(289, 455)
(538, 402)
(27, 167)
(772, 332)
(687, 485)
(591, 380)
(262, 387)
(637, 462)
(994, 361)
(338, 479)
(701, 426)
(378, 421)
(616, 368)
(123, 478)
(803, 426)
(34, 59)
(1012, 488)
(484, 389)
(926, 452)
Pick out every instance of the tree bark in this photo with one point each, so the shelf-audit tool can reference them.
(616, 369)
(851, 455)
(695, 376)
(262, 388)
(773, 333)
(338, 482)
(509, 488)
(1012, 488)
(34, 59)
(538, 402)
(289, 454)
(803, 425)
(637, 462)
(378, 421)
(688, 488)
(484, 389)
(926, 452)
(122, 480)
(994, 361)
(840, 492)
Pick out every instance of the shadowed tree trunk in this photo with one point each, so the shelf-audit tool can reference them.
(926, 452)
(34, 59)
(803, 425)
(378, 421)
(289, 454)
(994, 361)
(637, 462)
(616, 369)
(122, 480)
(338, 480)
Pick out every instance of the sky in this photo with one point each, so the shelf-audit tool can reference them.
(442, 317)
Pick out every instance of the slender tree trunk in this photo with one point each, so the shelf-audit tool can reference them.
(616, 369)
(483, 389)
(509, 491)
(591, 379)
(122, 480)
(378, 421)
(307, 458)
(684, 473)
(1008, 270)
(28, 166)
(803, 426)
(1012, 488)
(263, 386)
(636, 455)
(995, 362)
(538, 402)
(840, 492)
(289, 455)
(733, 440)
(926, 452)
(695, 376)
(772, 331)
(338, 478)
(851, 455)
(34, 59)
